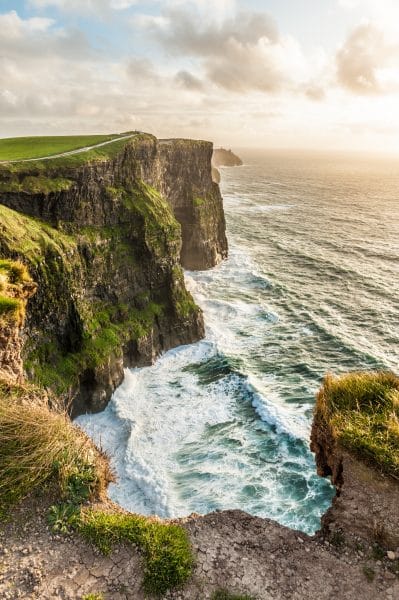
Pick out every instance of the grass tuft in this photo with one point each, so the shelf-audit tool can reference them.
(39, 446)
(363, 411)
(166, 547)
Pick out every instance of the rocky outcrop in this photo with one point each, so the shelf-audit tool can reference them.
(225, 158)
(367, 501)
(14, 294)
(216, 175)
(106, 254)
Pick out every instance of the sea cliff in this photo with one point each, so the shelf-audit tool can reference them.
(105, 237)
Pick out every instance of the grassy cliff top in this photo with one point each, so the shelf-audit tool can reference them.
(26, 148)
(363, 411)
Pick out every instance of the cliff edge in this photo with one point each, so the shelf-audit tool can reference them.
(104, 234)
(355, 437)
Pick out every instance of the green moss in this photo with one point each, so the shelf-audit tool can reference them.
(183, 300)
(161, 230)
(103, 339)
(10, 308)
(36, 185)
(363, 411)
(30, 238)
(198, 202)
(166, 548)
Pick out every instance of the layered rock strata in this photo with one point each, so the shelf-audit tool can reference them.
(105, 239)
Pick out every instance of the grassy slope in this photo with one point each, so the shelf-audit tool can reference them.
(52, 167)
(41, 451)
(37, 147)
(363, 411)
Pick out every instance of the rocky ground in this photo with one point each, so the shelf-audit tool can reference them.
(233, 551)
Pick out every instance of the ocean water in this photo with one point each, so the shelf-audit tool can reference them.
(311, 286)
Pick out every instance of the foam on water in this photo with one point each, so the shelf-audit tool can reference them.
(225, 423)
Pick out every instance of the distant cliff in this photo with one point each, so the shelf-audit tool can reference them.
(225, 158)
(104, 238)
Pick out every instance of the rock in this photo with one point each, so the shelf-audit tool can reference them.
(391, 555)
(108, 269)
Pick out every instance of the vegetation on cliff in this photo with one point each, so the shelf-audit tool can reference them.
(40, 447)
(362, 412)
(42, 452)
(142, 249)
(26, 148)
(166, 547)
(13, 276)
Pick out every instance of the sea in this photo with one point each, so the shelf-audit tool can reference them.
(311, 286)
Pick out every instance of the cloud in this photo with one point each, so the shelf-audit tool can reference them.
(240, 54)
(189, 81)
(98, 7)
(363, 61)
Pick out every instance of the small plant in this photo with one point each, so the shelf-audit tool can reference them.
(337, 538)
(63, 517)
(377, 552)
(166, 548)
(224, 595)
(369, 573)
(93, 597)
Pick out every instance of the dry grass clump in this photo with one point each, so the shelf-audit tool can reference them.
(362, 409)
(39, 446)
(14, 278)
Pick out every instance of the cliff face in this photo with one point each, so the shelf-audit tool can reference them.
(102, 243)
(15, 289)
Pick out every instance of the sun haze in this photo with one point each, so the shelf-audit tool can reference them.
(276, 73)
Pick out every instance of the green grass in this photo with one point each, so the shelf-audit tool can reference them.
(363, 411)
(224, 595)
(13, 274)
(166, 547)
(40, 446)
(35, 185)
(93, 597)
(37, 147)
(66, 164)
(9, 308)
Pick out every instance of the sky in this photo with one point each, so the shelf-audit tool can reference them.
(300, 74)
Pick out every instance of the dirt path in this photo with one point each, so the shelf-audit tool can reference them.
(233, 550)
(69, 152)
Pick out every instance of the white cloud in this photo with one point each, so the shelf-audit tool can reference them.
(82, 6)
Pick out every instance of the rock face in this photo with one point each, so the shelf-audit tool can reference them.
(225, 158)
(11, 328)
(366, 504)
(102, 242)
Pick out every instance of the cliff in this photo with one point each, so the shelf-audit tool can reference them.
(103, 234)
(225, 158)
(16, 287)
(355, 436)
